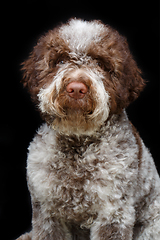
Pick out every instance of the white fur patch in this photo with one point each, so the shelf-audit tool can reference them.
(45, 95)
(79, 34)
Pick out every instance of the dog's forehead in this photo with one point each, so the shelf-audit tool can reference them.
(80, 34)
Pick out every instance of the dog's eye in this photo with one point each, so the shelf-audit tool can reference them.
(61, 62)
(104, 65)
(100, 64)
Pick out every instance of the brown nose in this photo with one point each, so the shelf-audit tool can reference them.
(76, 90)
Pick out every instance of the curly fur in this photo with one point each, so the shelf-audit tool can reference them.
(89, 173)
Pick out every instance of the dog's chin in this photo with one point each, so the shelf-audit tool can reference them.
(76, 122)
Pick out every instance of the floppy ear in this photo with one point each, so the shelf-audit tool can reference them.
(29, 74)
(40, 67)
(30, 78)
(131, 80)
(125, 82)
(126, 76)
(37, 67)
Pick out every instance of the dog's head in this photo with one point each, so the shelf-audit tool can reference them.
(81, 73)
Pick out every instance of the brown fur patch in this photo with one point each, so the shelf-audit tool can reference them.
(114, 232)
(41, 66)
(139, 143)
(80, 234)
(124, 81)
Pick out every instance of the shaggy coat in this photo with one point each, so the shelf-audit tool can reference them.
(89, 174)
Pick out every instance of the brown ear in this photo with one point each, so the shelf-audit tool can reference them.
(131, 80)
(36, 67)
(126, 77)
(126, 81)
(30, 78)
(40, 67)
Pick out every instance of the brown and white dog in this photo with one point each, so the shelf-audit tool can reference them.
(89, 174)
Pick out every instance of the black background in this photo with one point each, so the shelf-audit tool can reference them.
(21, 25)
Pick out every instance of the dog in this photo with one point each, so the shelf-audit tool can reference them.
(89, 173)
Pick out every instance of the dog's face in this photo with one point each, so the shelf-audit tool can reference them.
(80, 74)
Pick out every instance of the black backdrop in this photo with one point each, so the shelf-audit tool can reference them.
(22, 23)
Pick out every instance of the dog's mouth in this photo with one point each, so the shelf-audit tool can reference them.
(69, 106)
(75, 97)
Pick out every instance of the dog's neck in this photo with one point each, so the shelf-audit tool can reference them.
(68, 143)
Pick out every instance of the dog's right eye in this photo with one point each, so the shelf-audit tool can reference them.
(62, 59)
(61, 62)
(53, 64)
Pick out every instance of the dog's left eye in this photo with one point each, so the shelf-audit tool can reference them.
(100, 64)
(61, 62)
